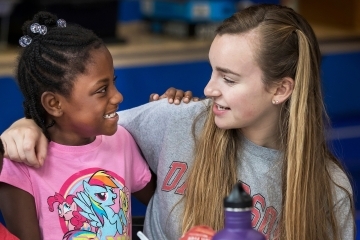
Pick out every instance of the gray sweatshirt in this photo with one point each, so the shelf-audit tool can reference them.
(163, 133)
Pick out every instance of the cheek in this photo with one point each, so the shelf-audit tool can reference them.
(242, 105)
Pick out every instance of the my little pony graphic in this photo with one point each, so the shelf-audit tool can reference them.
(68, 211)
(124, 205)
(95, 202)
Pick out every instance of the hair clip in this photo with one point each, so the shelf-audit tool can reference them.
(37, 28)
(24, 41)
(61, 23)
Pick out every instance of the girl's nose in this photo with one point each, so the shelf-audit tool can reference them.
(117, 97)
(211, 90)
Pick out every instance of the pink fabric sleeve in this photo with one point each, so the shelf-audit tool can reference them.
(17, 175)
(140, 173)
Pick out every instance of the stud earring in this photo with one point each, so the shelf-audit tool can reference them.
(275, 101)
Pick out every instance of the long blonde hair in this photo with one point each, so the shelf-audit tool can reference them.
(288, 48)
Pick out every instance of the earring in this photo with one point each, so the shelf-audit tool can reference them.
(275, 101)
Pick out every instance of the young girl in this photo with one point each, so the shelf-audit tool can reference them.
(66, 75)
(263, 125)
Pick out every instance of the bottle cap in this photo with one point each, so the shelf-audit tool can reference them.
(238, 198)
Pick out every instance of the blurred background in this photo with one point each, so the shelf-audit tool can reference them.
(157, 44)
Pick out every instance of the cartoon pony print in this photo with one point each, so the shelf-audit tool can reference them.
(124, 196)
(95, 202)
(67, 209)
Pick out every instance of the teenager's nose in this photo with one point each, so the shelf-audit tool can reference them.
(211, 89)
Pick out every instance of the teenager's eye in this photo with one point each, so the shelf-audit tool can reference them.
(115, 77)
(227, 80)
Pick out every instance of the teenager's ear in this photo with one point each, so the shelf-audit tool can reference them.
(51, 103)
(283, 90)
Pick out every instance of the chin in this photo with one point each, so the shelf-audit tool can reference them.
(110, 132)
(222, 125)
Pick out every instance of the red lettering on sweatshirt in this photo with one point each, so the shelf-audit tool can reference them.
(173, 177)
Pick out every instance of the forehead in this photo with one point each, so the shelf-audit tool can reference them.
(100, 66)
(233, 49)
(100, 63)
(100, 56)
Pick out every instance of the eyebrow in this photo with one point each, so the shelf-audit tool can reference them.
(226, 70)
(104, 80)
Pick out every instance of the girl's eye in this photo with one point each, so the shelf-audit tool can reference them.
(227, 80)
(102, 90)
(115, 77)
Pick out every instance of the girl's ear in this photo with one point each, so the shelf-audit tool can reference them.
(283, 90)
(51, 103)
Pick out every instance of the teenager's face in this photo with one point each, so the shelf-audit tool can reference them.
(91, 108)
(236, 86)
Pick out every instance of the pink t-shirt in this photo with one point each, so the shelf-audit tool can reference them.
(84, 191)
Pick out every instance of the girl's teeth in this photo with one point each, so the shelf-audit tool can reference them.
(111, 115)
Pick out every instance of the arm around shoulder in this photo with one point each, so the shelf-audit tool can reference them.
(25, 142)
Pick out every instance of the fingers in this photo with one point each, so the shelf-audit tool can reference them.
(175, 96)
(10, 147)
(25, 147)
(187, 96)
(29, 158)
(41, 149)
(179, 95)
(170, 94)
(20, 144)
(154, 97)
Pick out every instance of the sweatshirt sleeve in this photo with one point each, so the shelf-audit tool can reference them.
(151, 122)
(345, 218)
(343, 203)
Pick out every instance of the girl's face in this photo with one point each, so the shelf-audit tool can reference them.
(91, 108)
(236, 87)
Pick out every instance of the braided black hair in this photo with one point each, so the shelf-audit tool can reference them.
(51, 62)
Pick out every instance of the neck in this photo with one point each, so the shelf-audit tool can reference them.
(68, 138)
(265, 133)
(268, 139)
